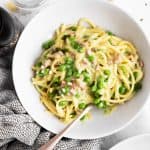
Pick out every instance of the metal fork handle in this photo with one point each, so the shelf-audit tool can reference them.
(52, 142)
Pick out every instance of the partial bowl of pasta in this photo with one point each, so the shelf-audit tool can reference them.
(64, 62)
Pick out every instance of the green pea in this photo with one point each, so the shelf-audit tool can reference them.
(43, 73)
(55, 81)
(124, 70)
(69, 73)
(63, 103)
(72, 39)
(68, 79)
(94, 88)
(75, 45)
(97, 95)
(107, 72)
(62, 67)
(68, 66)
(96, 101)
(122, 89)
(76, 74)
(87, 79)
(52, 94)
(102, 104)
(135, 75)
(137, 86)
(46, 71)
(97, 92)
(38, 64)
(82, 105)
(40, 74)
(101, 82)
(85, 73)
(90, 58)
(66, 90)
(48, 44)
(86, 76)
(127, 52)
(69, 61)
(109, 33)
(77, 95)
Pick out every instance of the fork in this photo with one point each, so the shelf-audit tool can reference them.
(52, 142)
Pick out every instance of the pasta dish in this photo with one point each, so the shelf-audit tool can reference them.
(84, 64)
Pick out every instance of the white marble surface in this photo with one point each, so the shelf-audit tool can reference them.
(140, 11)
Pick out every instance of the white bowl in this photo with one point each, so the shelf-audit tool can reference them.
(29, 48)
(138, 142)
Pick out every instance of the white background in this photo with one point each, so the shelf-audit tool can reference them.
(140, 11)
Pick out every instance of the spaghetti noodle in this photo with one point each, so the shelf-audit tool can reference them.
(83, 64)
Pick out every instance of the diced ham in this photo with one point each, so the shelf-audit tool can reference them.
(73, 85)
(93, 49)
(84, 61)
(73, 91)
(58, 54)
(110, 62)
(89, 52)
(63, 83)
(81, 84)
(97, 68)
(116, 58)
(47, 63)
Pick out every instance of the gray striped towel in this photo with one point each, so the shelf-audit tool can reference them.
(18, 131)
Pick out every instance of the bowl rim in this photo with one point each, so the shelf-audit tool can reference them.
(130, 139)
(96, 136)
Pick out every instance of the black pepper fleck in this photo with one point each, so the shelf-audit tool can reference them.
(141, 19)
(145, 4)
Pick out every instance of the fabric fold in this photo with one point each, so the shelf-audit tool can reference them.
(18, 131)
